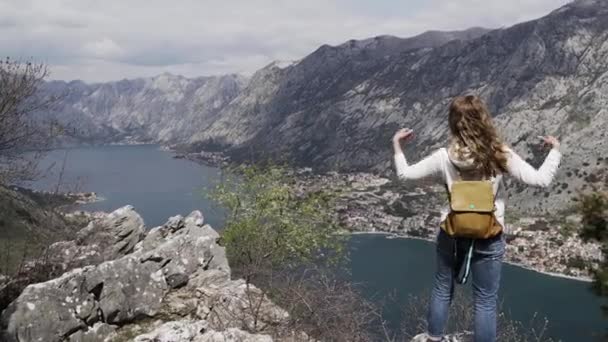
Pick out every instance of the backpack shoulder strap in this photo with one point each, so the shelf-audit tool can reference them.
(447, 188)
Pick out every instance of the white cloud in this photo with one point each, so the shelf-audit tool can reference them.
(103, 48)
(104, 40)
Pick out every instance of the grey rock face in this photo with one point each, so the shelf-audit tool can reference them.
(220, 303)
(98, 332)
(174, 109)
(116, 291)
(3, 282)
(449, 338)
(106, 238)
(281, 101)
(165, 108)
(176, 273)
(198, 331)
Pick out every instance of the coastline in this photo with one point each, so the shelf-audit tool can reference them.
(524, 266)
(61, 199)
(361, 183)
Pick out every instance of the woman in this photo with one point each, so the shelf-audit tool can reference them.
(475, 152)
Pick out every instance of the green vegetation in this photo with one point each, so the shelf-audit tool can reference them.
(567, 229)
(286, 241)
(271, 224)
(594, 210)
(29, 223)
(462, 319)
(512, 217)
(577, 262)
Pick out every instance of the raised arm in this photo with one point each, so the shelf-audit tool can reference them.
(426, 167)
(542, 176)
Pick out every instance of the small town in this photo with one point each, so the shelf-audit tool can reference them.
(372, 204)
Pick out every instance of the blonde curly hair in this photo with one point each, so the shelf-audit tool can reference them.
(473, 131)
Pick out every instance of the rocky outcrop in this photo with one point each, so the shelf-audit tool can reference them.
(175, 273)
(449, 338)
(105, 238)
(198, 331)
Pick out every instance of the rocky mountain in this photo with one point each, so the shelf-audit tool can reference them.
(338, 107)
(159, 109)
(175, 109)
(288, 101)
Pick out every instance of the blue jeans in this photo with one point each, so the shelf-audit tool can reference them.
(486, 267)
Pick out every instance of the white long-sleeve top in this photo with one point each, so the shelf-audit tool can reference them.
(439, 163)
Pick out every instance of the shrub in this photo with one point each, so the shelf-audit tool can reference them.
(273, 225)
(593, 208)
(286, 241)
(461, 311)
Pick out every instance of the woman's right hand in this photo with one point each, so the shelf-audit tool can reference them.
(551, 141)
(402, 134)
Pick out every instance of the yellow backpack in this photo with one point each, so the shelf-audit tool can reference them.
(471, 216)
(471, 210)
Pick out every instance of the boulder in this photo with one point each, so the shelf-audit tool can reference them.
(176, 273)
(230, 304)
(105, 238)
(98, 332)
(449, 338)
(118, 291)
(198, 331)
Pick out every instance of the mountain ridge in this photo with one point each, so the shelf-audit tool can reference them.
(337, 108)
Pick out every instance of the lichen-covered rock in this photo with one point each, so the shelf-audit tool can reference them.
(232, 334)
(449, 338)
(98, 332)
(232, 304)
(106, 238)
(177, 272)
(186, 330)
(117, 291)
(4, 281)
(198, 331)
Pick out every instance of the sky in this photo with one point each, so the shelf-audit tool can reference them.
(98, 41)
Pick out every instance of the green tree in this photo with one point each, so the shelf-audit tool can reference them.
(284, 238)
(593, 208)
(273, 224)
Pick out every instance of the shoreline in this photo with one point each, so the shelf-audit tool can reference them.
(211, 159)
(520, 265)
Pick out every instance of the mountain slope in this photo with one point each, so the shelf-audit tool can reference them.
(547, 76)
(159, 109)
(173, 109)
(274, 93)
(338, 107)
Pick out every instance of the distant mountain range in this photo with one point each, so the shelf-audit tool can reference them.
(338, 107)
(165, 108)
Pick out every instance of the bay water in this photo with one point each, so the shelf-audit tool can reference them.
(159, 186)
